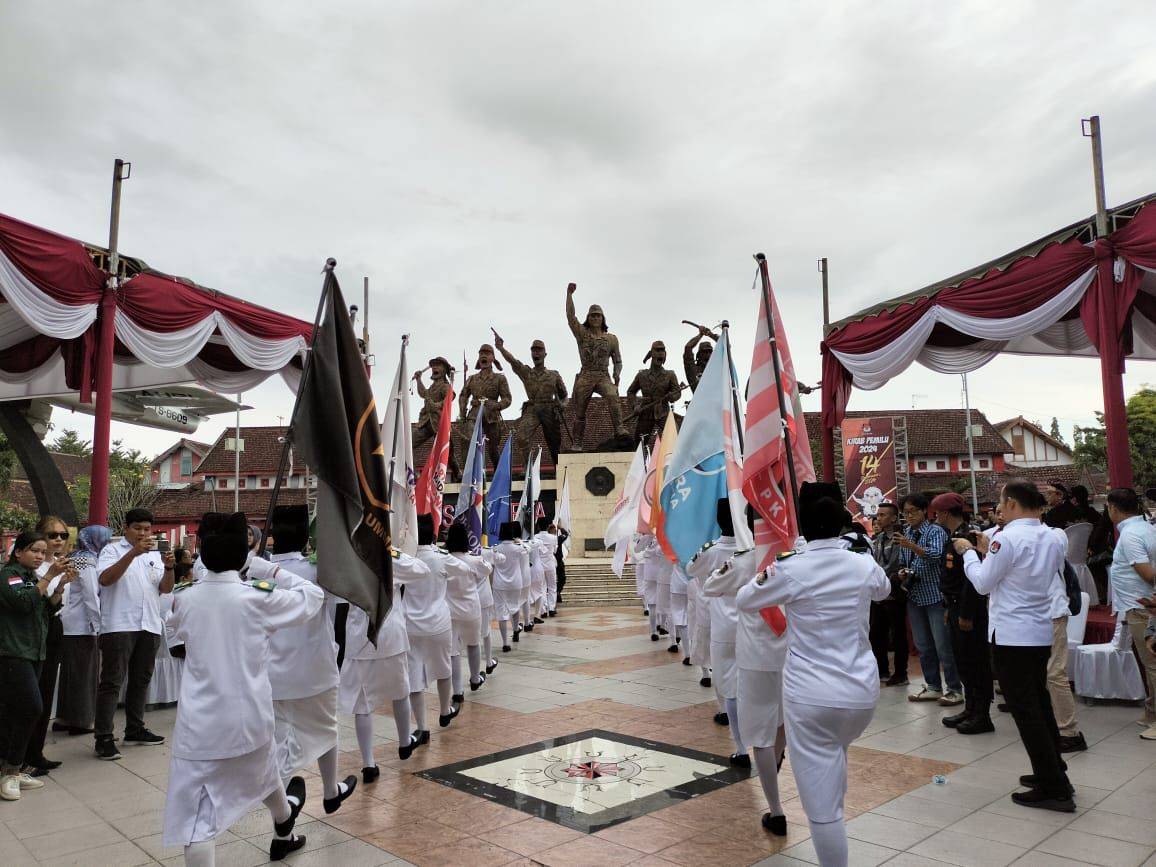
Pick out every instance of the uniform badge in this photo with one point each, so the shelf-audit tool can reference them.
(394, 553)
(994, 547)
(267, 586)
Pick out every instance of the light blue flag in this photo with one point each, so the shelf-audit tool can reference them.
(469, 509)
(498, 496)
(697, 477)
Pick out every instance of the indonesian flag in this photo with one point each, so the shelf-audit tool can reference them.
(766, 482)
(432, 481)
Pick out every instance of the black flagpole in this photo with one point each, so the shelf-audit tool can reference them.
(773, 340)
(283, 463)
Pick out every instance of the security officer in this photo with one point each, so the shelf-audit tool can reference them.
(966, 616)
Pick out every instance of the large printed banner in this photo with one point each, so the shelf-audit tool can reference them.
(868, 466)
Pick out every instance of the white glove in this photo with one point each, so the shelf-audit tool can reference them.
(260, 570)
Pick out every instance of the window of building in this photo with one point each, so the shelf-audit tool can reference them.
(964, 464)
(984, 464)
(223, 483)
(941, 465)
(241, 483)
(264, 483)
(921, 465)
(186, 464)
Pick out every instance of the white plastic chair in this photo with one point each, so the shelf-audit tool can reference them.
(1078, 536)
(1107, 670)
(1077, 625)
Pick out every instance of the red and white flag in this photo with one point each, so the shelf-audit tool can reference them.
(766, 483)
(432, 481)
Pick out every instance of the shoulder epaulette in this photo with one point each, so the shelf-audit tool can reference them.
(267, 586)
(707, 546)
(184, 585)
(394, 553)
(785, 554)
(743, 551)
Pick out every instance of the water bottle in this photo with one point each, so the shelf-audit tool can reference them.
(939, 780)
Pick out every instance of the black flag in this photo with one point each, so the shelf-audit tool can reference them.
(335, 431)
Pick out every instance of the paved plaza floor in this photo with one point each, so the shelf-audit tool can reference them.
(593, 745)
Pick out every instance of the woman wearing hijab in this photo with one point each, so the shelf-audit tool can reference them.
(80, 617)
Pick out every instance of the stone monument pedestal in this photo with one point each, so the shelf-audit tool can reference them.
(596, 480)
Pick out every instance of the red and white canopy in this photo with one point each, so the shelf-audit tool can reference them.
(1044, 299)
(168, 330)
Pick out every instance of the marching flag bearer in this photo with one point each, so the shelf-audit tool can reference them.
(303, 670)
(372, 676)
(224, 757)
(509, 566)
(830, 679)
(465, 614)
(723, 616)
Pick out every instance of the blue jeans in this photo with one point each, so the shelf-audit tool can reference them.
(933, 641)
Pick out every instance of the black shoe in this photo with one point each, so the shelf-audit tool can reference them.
(369, 775)
(672, 649)
(506, 648)
(143, 737)
(278, 849)
(551, 613)
(1029, 780)
(1041, 800)
(515, 638)
(529, 628)
(332, 805)
(740, 760)
(446, 718)
(896, 680)
(70, 730)
(421, 737)
(474, 687)
(976, 725)
(42, 764)
(1073, 744)
(777, 825)
(686, 661)
(39, 772)
(490, 668)
(1002, 707)
(405, 752)
(538, 621)
(704, 681)
(458, 699)
(295, 790)
(955, 719)
(106, 749)
(654, 636)
(662, 631)
(722, 719)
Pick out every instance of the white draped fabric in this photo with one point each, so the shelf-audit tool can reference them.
(41, 310)
(872, 370)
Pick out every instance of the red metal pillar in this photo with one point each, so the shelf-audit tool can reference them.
(828, 439)
(1112, 371)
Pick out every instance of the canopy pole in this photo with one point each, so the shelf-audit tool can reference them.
(827, 435)
(1111, 359)
(970, 448)
(106, 340)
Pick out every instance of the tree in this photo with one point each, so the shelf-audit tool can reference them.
(7, 463)
(1091, 449)
(1055, 430)
(70, 443)
(15, 519)
(129, 485)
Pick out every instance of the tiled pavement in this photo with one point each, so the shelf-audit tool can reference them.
(598, 670)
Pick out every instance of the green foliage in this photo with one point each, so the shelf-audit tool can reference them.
(1055, 429)
(15, 519)
(7, 463)
(1091, 448)
(70, 443)
(129, 485)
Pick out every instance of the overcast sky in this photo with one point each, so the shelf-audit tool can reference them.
(472, 158)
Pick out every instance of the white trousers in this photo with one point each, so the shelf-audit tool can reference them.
(551, 589)
(819, 737)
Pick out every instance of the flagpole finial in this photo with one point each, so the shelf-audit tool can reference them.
(330, 264)
(759, 257)
(724, 324)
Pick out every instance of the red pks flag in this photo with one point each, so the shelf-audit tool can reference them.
(432, 481)
(766, 483)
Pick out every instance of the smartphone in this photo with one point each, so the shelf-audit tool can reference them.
(164, 546)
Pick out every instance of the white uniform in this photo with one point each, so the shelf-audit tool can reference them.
(537, 574)
(639, 545)
(488, 558)
(304, 677)
(372, 676)
(662, 571)
(649, 556)
(547, 549)
(831, 680)
(678, 596)
(224, 758)
(464, 601)
(724, 616)
(527, 572)
(507, 578)
(427, 618)
(760, 654)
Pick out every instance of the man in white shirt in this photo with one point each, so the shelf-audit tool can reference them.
(303, 670)
(1018, 572)
(133, 575)
(1132, 575)
(224, 755)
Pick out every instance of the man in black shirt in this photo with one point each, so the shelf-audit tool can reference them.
(967, 619)
(889, 617)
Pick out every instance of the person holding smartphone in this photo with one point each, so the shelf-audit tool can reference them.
(133, 576)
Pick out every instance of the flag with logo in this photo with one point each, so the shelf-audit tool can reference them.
(706, 465)
(469, 509)
(766, 480)
(662, 455)
(646, 503)
(396, 431)
(531, 493)
(432, 481)
(562, 513)
(623, 523)
(498, 496)
(335, 431)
